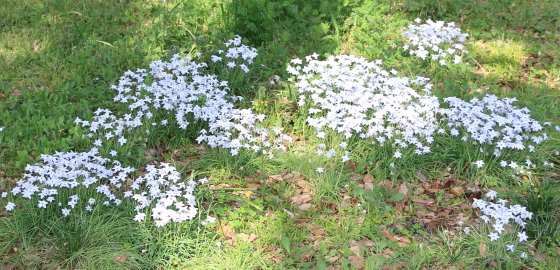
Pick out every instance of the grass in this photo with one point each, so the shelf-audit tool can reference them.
(58, 59)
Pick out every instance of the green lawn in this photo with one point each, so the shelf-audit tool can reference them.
(188, 150)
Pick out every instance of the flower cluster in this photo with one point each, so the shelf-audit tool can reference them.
(69, 171)
(182, 87)
(493, 121)
(174, 200)
(358, 99)
(435, 39)
(235, 51)
(355, 97)
(500, 215)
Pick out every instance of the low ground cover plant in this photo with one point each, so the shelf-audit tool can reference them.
(240, 152)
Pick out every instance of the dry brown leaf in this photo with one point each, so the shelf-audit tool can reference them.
(306, 256)
(356, 250)
(16, 92)
(387, 235)
(317, 230)
(318, 240)
(288, 177)
(120, 258)
(387, 253)
(418, 200)
(387, 184)
(252, 237)
(305, 198)
(401, 204)
(360, 220)
(457, 191)
(541, 257)
(355, 177)
(303, 184)
(227, 230)
(420, 214)
(274, 179)
(243, 237)
(247, 238)
(403, 190)
(305, 207)
(405, 241)
(253, 186)
(482, 249)
(368, 178)
(447, 197)
(421, 176)
(332, 259)
(364, 243)
(249, 178)
(356, 261)
(462, 217)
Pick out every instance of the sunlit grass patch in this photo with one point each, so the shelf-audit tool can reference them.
(498, 58)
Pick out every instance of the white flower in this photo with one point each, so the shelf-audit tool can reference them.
(122, 140)
(42, 204)
(216, 58)
(522, 236)
(493, 236)
(10, 206)
(139, 217)
(320, 170)
(479, 163)
(296, 61)
(433, 38)
(113, 153)
(210, 219)
(510, 247)
(491, 194)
